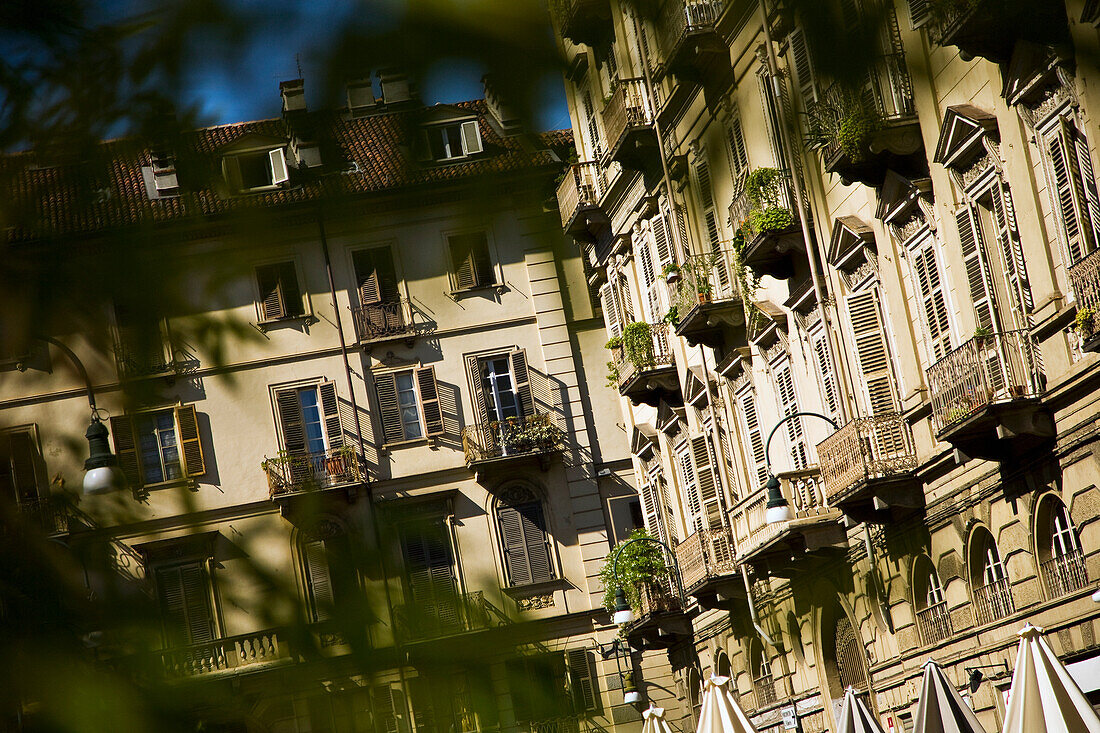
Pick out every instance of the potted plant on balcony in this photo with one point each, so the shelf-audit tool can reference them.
(672, 316)
(1084, 324)
(671, 273)
(615, 346)
(982, 335)
(855, 131)
(638, 564)
(638, 344)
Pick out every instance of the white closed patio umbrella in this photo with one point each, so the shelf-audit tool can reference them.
(721, 713)
(655, 720)
(1044, 698)
(941, 708)
(855, 717)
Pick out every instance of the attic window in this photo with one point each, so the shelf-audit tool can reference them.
(452, 141)
(165, 180)
(256, 170)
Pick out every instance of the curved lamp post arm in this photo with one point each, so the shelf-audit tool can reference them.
(777, 510)
(79, 367)
(668, 551)
(788, 418)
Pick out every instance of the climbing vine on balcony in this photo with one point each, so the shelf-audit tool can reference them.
(638, 563)
(638, 344)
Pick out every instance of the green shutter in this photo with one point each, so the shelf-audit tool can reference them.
(318, 579)
(330, 413)
(523, 382)
(291, 422)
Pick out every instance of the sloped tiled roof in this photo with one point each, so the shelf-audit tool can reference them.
(371, 154)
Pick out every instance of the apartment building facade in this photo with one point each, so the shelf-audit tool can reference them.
(849, 245)
(384, 507)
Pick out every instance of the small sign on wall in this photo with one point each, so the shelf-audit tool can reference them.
(790, 718)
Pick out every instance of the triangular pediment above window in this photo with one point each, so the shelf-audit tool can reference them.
(963, 128)
(669, 418)
(767, 328)
(898, 195)
(251, 141)
(644, 440)
(851, 236)
(695, 385)
(1030, 70)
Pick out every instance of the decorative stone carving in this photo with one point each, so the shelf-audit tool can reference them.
(534, 603)
(977, 169)
(865, 269)
(517, 494)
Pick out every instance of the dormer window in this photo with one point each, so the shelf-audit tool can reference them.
(453, 141)
(165, 179)
(256, 170)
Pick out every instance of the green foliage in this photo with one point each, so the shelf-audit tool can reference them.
(764, 187)
(855, 131)
(638, 344)
(636, 563)
(1085, 322)
(773, 217)
(613, 375)
(981, 332)
(615, 342)
(672, 317)
(670, 269)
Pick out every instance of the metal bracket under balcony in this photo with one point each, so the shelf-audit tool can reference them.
(661, 621)
(708, 565)
(583, 21)
(786, 548)
(867, 468)
(648, 375)
(689, 36)
(707, 299)
(989, 29)
(499, 444)
(986, 397)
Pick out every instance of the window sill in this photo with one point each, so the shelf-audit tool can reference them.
(533, 589)
(305, 319)
(499, 288)
(387, 447)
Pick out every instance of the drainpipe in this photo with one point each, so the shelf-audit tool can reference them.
(752, 610)
(820, 288)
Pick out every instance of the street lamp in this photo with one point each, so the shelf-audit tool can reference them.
(623, 613)
(777, 509)
(103, 474)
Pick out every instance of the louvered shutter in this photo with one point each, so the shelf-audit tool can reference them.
(667, 520)
(291, 421)
(937, 323)
(432, 583)
(626, 304)
(369, 281)
(330, 407)
(651, 507)
(122, 430)
(920, 11)
(272, 300)
(538, 542)
(702, 180)
(681, 226)
(611, 311)
(662, 239)
(319, 579)
(523, 382)
(788, 399)
(429, 401)
(751, 424)
(690, 486)
(476, 369)
(471, 138)
(385, 387)
(1004, 221)
(649, 278)
(382, 709)
(739, 157)
(872, 353)
(515, 546)
(977, 271)
(194, 463)
(279, 173)
(582, 680)
(801, 58)
(526, 544)
(462, 258)
(185, 602)
(825, 371)
(707, 479)
(173, 605)
(1088, 181)
(18, 456)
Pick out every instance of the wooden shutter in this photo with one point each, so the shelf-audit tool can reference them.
(433, 588)
(707, 478)
(739, 157)
(662, 240)
(280, 296)
(384, 713)
(514, 545)
(476, 369)
(429, 401)
(788, 399)
(187, 421)
(610, 307)
(977, 270)
(471, 138)
(523, 382)
(1004, 221)
(462, 258)
(321, 598)
(1088, 182)
(483, 266)
(626, 304)
(651, 506)
(582, 680)
(920, 12)
(291, 421)
(185, 603)
(702, 180)
(937, 323)
(690, 485)
(872, 352)
(279, 173)
(825, 371)
(526, 545)
(802, 60)
(385, 387)
(330, 414)
(751, 423)
(122, 430)
(18, 461)
(367, 276)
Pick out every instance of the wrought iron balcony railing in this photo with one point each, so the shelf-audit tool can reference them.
(706, 278)
(580, 189)
(446, 616)
(225, 655)
(51, 514)
(934, 623)
(291, 474)
(681, 18)
(1085, 278)
(655, 355)
(704, 555)
(1065, 574)
(522, 436)
(385, 320)
(628, 107)
(656, 596)
(984, 371)
(866, 448)
(993, 602)
(746, 211)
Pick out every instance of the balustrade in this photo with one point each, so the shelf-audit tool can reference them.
(383, 320)
(582, 188)
(880, 446)
(934, 623)
(522, 436)
(993, 602)
(224, 655)
(289, 474)
(1065, 574)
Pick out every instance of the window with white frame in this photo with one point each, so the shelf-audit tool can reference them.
(159, 446)
(928, 276)
(454, 140)
(1072, 189)
(408, 404)
(256, 170)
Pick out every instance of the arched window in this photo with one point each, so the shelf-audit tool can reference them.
(1059, 549)
(327, 571)
(992, 591)
(695, 693)
(849, 655)
(933, 618)
(524, 542)
(722, 666)
(761, 669)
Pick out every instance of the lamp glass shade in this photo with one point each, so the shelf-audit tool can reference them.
(624, 616)
(103, 480)
(776, 514)
(632, 696)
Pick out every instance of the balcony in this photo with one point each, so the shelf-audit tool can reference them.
(708, 566)
(815, 532)
(934, 623)
(628, 122)
(659, 620)
(458, 614)
(985, 396)
(582, 21)
(646, 370)
(380, 322)
(289, 475)
(693, 48)
(768, 220)
(989, 29)
(867, 469)
(1085, 278)
(135, 361)
(706, 296)
(50, 514)
(863, 133)
(244, 653)
(993, 602)
(505, 441)
(579, 195)
(1065, 574)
